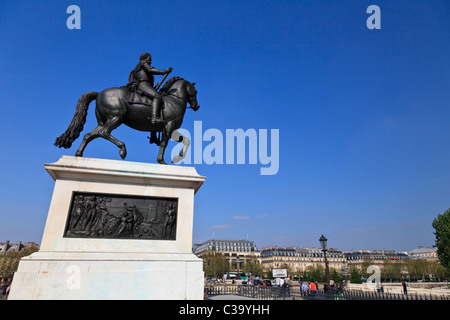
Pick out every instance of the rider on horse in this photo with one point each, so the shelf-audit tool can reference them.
(143, 77)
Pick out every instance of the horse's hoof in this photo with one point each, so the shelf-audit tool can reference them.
(123, 154)
(162, 162)
(78, 154)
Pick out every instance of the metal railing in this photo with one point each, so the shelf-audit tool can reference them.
(294, 293)
(249, 291)
(361, 295)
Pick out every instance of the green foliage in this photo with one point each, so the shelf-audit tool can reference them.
(335, 276)
(251, 265)
(419, 269)
(214, 264)
(9, 262)
(355, 276)
(441, 224)
(391, 270)
(366, 263)
(436, 270)
(315, 274)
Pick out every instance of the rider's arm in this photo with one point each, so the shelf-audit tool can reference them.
(150, 70)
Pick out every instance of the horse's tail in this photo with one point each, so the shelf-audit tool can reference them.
(79, 119)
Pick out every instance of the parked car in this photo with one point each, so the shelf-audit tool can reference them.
(257, 282)
(268, 283)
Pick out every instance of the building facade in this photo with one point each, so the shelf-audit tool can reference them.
(425, 253)
(236, 252)
(7, 246)
(298, 260)
(360, 258)
(226, 246)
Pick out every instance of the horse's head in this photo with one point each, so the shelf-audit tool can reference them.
(182, 89)
(192, 95)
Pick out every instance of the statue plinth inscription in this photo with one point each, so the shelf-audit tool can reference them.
(95, 215)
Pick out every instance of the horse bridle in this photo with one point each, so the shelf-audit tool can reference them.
(187, 100)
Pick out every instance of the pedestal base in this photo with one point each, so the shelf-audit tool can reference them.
(109, 234)
(103, 276)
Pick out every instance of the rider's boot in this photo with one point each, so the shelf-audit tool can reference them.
(156, 120)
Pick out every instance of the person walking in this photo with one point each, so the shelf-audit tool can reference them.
(312, 289)
(405, 290)
(304, 289)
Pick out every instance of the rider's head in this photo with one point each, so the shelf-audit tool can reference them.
(146, 57)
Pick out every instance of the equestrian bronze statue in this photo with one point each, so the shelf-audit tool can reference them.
(138, 105)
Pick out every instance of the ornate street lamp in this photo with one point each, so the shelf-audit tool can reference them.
(323, 243)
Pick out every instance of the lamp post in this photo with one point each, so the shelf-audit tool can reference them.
(323, 243)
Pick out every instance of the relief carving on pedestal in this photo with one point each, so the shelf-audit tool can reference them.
(93, 215)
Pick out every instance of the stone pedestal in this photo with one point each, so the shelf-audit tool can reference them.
(115, 255)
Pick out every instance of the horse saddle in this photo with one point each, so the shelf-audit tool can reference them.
(138, 97)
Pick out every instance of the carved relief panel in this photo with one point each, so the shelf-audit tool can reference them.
(94, 215)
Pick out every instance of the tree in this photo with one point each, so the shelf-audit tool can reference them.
(258, 269)
(354, 275)
(436, 270)
(315, 273)
(252, 265)
(214, 263)
(9, 262)
(391, 270)
(336, 276)
(417, 269)
(366, 263)
(441, 224)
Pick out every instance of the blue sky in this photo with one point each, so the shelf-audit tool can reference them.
(362, 114)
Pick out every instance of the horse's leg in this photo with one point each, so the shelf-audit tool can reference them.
(119, 144)
(165, 136)
(110, 125)
(162, 147)
(104, 131)
(178, 137)
(88, 137)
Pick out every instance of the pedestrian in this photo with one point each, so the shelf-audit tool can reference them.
(304, 288)
(312, 289)
(8, 289)
(405, 290)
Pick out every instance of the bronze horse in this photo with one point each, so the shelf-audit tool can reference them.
(113, 108)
